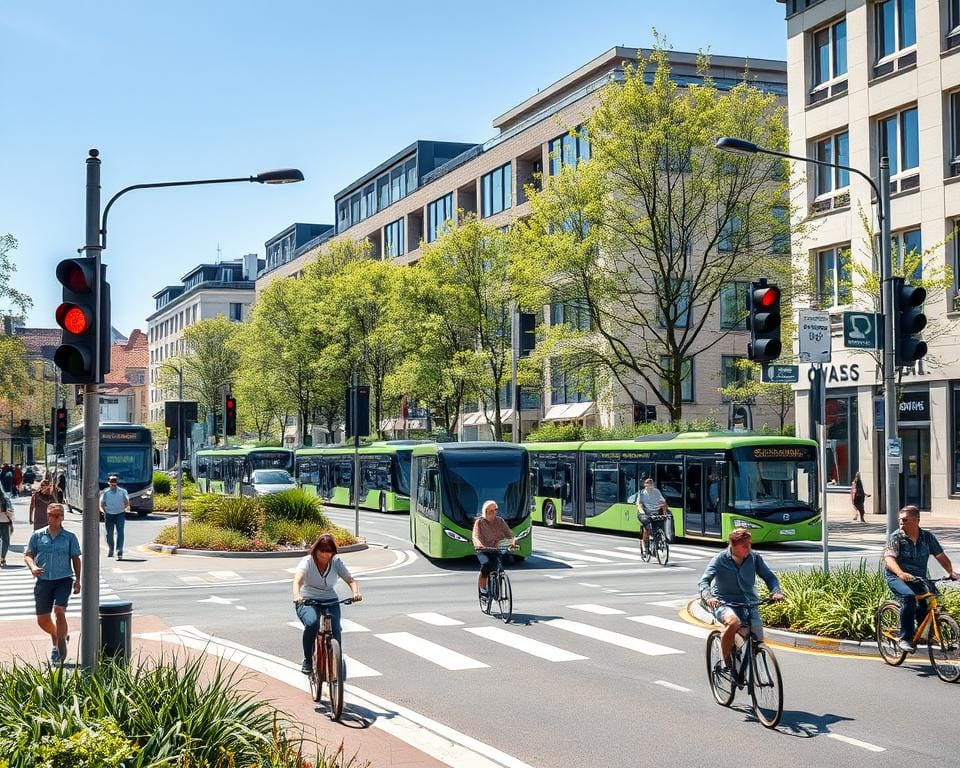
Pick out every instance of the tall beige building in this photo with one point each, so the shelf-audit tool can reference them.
(867, 79)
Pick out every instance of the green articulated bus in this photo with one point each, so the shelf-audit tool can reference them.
(712, 481)
(327, 471)
(226, 470)
(450, 481)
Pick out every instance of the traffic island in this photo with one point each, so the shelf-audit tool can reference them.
(168, 549)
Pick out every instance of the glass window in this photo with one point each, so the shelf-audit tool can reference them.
(343, 215)
(368, 205)
(496, 190)
(686, 378)
(833, 149)
(410, 170)
(954, 156)
(680, 306)
(568, 150)
(953, 22)
(833, 276)
(896, 25)
(900, 141)
(393, 234)
(842, 449)
(439, 212)
(907, 245)
(730, 237)
(471, 477)
(732, 373)
(733, 306)
(383, 191)
(236, 311)
(566, 386)
(955, 399)
(780, 241)
(829, 52)
(575, 313)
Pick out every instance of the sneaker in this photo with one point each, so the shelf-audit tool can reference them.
(54, 655)
(110, 553)
(907, 647)
(3, 562)
(306, 667)
(119, 555)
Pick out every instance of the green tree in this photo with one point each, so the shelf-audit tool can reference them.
(646, 236)
(15, 379)
(750, 389)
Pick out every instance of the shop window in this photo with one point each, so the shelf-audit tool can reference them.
(842, 447)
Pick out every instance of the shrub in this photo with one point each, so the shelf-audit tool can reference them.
(202, 506)
(554, 433)
(161, 483)
(296, 505)
(206, 536)
(289, 533)
(239, 514)
(98, 745)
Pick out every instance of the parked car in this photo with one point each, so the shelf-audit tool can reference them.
(264, 482)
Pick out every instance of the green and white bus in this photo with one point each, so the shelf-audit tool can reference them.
(712, 481)
(450, 481)
(226, 470)
(327, 471)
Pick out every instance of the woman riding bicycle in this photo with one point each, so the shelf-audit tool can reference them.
(650, 502)
(488, 531)
(316, 579)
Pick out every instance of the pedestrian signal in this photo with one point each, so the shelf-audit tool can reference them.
(763, 322)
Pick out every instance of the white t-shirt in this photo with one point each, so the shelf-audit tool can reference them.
(321, 586)
(650, 500)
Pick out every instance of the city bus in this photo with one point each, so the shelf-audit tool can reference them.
(327, 471)
(126, 450)
(450, 481)
(226, 470)
(713, 482)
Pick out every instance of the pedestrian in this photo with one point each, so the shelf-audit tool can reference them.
(6, 527)
(6, 479)
(857, 496)
(49, 555)
(17, 480)
(61, 487)
(40, 505)
(114, 503)
(29, 478)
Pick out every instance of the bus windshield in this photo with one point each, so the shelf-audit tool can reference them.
(472, 477)
(772, 479)
(270, 460)
(402, 472)
(130, 464)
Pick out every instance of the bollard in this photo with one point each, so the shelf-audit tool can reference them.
(116, 630)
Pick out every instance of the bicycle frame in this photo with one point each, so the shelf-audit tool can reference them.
(927, 625)
(324, 659)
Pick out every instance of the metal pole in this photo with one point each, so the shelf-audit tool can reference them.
(179, 456)
(514, 354)
(889, 390)
(822, 386)
(90, 540)
(223, 411)
(355, 426)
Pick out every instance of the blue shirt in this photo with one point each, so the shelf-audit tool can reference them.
(114, 500)
(733, 583)
(912, 557)
(54, 553)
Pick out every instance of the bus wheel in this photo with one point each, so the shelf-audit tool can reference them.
(549, 515)
(142, 515)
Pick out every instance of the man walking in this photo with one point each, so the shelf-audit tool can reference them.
(49, 555)
(114, 503)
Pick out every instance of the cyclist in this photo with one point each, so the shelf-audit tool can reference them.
(488, 531)
(316, 579)
(649, 502)
(905, 558)
(731, 577)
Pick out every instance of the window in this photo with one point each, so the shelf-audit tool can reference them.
(368, 204)
(896, 25)
(780, 241)
(383, 191)
(732, 373)
(686, 378)
(568, 385)
(954, 128)
(496, 191)
(907, 245)
(833, 149)
(355, 208)
(439, 212)
(574, 313)
(842, 449)
(410, 170)
(343, 215)
(953, 24)
(833, 276)
(900, 141)
(236, 311)
(680, 306)
(829, 53)
(733, 306)
(731, 237)
(955, 402)
(569, 150)
(393, 235)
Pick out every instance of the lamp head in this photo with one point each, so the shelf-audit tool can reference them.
(736, 146)
(279, 176)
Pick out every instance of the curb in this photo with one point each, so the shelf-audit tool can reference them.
(795, 639)
(168, 549)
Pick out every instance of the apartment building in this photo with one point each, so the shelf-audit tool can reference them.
(226, 288)
(401, 204)
(868, 79)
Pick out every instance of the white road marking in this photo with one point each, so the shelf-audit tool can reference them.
(536, 556)
(345, 626)
(602, 610)
(671, 686)
(678, 603)
(614, 638)
(587, 584)
(436, 619)
(674, 626)
(437, 654)
(857, 743)
(580, 557)
(226, 575)
(614, 554)
(218, 600)
(191, 579)
(674, 555)
(525, 644)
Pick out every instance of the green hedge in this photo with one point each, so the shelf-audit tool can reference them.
(161, 483)
(553, 433)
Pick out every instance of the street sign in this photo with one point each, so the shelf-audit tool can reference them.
(894, 451)
(813, 332)
(860, 330)
(774, 373)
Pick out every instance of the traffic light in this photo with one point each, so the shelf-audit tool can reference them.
(908, 321)
(230, 414)
(527, 326)
(763, 322)
(60, 425)
(84, 351)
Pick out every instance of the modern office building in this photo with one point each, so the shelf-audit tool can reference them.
(402, 203)
(226, 288)
(872, 79)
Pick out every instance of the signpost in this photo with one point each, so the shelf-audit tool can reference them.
(813, 335)
(775, 373)
(862, 330)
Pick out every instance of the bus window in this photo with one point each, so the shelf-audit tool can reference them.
(427, 481)
(628, 482)
(670, 482)
(308, 470)
(605, 484)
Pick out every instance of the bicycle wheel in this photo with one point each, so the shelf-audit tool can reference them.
(318, 672)
(721, 683)
(888, 633)
(335, 675)
(766, 687)
(945, 652)
(644, 552)
(663, 548)
(504, 597)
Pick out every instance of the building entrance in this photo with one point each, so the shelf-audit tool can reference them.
(915, 475)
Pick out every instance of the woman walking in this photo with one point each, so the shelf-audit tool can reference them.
(857, 496)
(39, 503)
(6, 527)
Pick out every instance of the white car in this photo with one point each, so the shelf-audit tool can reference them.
(264, 482)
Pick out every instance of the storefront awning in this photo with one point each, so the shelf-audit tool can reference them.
(398, 425)
(569, 411)
(479, 418)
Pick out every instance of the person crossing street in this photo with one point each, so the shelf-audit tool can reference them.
(114, 504)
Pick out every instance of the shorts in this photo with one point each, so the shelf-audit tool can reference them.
(746, 615)
(48, 593)
(647, 523)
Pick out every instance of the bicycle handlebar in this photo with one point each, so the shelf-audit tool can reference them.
(315, 602)
(765, 601)
(500, 550)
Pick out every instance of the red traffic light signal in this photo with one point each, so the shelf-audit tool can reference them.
(763, 322)
(81, 314)
(230, 415)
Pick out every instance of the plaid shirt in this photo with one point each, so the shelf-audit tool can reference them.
(913, 557)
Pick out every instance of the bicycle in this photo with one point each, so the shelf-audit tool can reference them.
(328, 666)
(657, 542)
(498, 586)
(939, 630)
(754, 666)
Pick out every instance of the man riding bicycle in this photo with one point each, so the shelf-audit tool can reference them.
(649, 502)
(905, 557)
(731, 577)
(488, 531)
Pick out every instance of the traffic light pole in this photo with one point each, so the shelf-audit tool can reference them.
(892, 475)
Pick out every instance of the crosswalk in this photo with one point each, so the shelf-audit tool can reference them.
(16, 595)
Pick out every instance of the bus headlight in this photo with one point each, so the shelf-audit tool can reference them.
(737, 523)
(524, 533)
(453, 535)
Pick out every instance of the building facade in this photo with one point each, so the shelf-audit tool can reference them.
(861, 86)
(226, 288)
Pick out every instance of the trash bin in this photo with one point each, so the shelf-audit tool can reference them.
(116, 629)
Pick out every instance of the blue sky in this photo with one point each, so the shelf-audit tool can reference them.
(185, 90)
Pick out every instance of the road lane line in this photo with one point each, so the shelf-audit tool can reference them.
(579, 557)
(437, 654)
(436, 619)
(671, 686)
(674, 555)
(612, 553)
(614, 638)
(345, 626)
(856, 743)
(602, 610)
(526, 644)
(673, 626)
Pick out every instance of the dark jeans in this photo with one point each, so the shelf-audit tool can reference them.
(111, 522)
(489, 561)
(310, 617)
(4, 539)
(907, 591)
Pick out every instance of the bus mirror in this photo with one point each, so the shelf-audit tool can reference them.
(432, 475)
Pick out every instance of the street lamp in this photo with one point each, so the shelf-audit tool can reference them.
(882, 192)
(179, 371)
(95, 243)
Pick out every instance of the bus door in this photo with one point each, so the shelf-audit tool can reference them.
(700, 516)
(571, 510)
